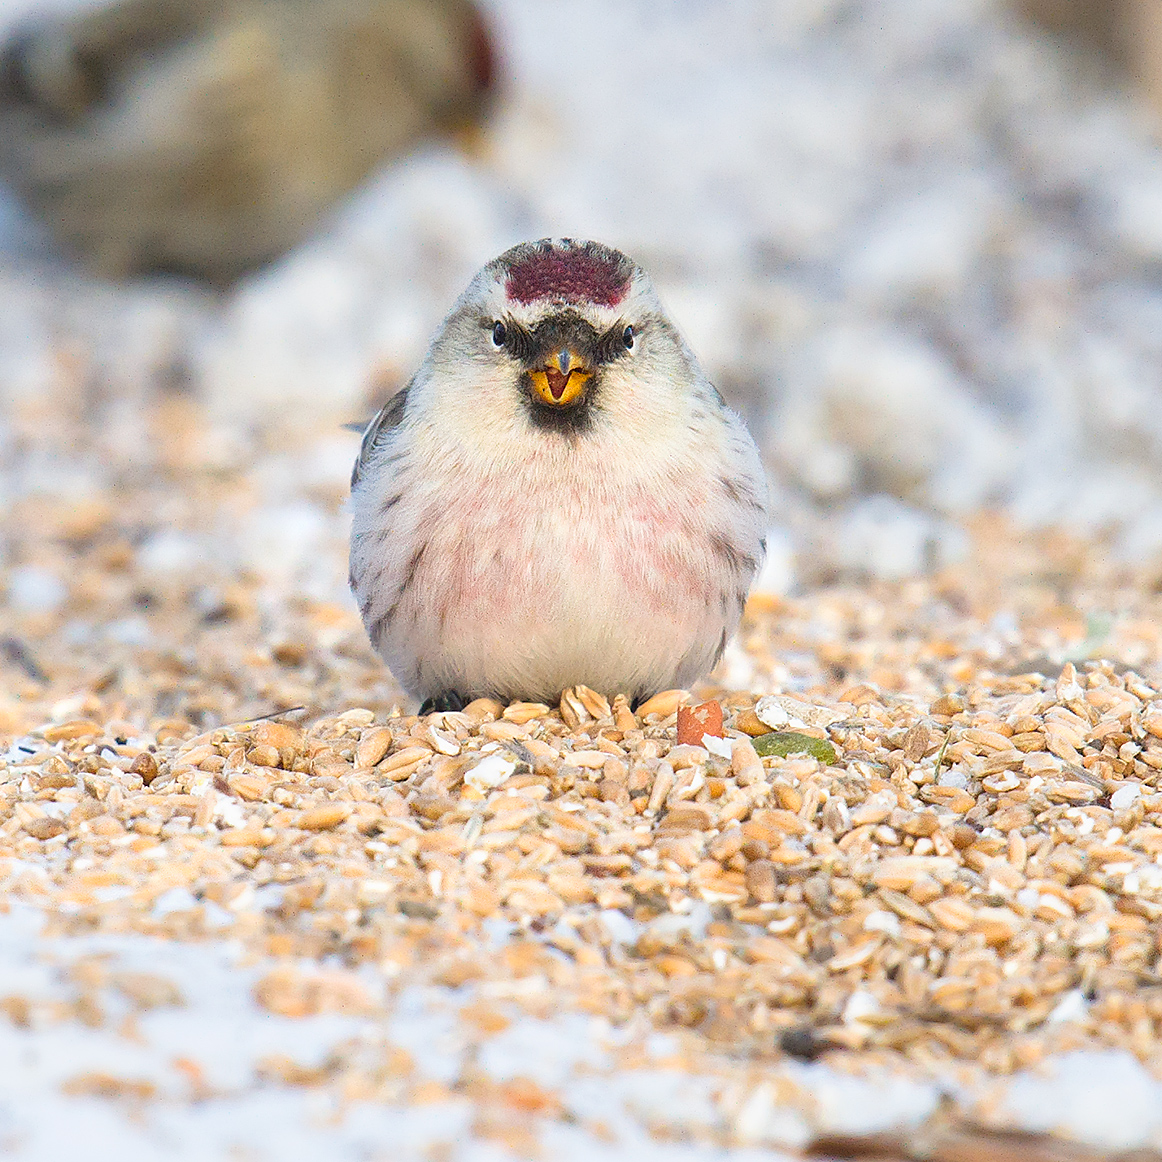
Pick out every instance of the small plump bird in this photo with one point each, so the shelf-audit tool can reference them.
(558, 497)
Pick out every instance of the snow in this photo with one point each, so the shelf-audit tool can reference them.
(214, 1029)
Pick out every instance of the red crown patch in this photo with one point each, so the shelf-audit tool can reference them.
(576, 273)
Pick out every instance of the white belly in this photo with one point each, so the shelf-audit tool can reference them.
(520, 595)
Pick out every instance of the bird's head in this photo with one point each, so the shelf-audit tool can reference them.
(559, 334)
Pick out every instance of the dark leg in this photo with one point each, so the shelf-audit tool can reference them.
(444, 701)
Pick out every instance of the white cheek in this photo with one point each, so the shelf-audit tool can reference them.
(458, 388)
(647, 397)
(471, 408)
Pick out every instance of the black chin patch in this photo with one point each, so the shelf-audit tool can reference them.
(573, 420)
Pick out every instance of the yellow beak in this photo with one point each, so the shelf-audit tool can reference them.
(562, 380)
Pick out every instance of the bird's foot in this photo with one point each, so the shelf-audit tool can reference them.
(442, 703)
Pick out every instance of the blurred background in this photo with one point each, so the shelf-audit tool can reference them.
(917, 245)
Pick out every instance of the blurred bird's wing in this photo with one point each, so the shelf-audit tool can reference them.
(390, 416)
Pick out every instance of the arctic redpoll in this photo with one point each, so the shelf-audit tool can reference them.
(559, 496)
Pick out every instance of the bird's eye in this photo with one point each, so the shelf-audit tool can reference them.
(499, 334)
(627, 338)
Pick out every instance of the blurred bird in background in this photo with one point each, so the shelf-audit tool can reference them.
(209, 136)
(1126, 33)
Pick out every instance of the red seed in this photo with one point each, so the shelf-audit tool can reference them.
(695, 721)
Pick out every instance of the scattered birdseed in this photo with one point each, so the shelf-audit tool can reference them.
(954, 868)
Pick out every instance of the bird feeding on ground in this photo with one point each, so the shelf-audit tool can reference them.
(558, 497)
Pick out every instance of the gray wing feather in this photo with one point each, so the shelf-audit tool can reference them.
(390, 416)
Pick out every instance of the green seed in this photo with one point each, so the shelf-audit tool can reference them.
(786, 742)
